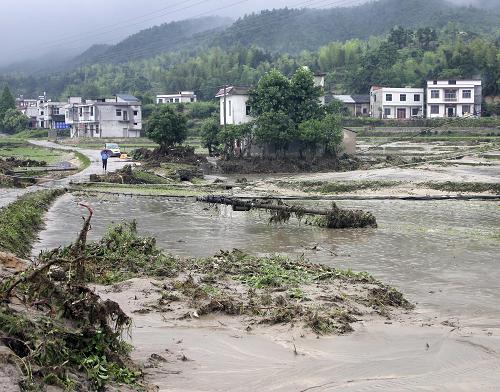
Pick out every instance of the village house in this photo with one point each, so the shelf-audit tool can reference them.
(454, 98)
(235, 110)
(118, 117)
(396, 103)
(28, 107)
(50, 114)
(180, 97)
(357, 105)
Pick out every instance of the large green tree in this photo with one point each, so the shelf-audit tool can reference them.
(166, 127)
(6, 102)
(14, 121)
(304, 96)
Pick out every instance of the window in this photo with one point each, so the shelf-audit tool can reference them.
(435, 94)
(402, 97)
(434, 109)
(466, 109)
(388, 97)
(435, 82)
(118, 112)
(91, 110)
(55, 111)
(229, 108)
(450, 95)
(192, 99)
(452, 82)
(416, 97)
(160, 100)
(135, 123)
(365, 111)
(387, 112)
(80, 112)
(466, 94)
(374, 98)
(136, 112)
(125, 115)
(42, 113)
(247, 111)
(176, 100)
(414, 111)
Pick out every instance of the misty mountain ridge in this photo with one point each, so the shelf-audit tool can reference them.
(288, 30)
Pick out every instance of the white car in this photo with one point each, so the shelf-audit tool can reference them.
(115, 150)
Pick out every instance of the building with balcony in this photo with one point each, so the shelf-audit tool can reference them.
(180, 97)
(118, 117)
(396, 103)
(454, 98)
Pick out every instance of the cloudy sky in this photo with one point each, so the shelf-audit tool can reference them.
(30, 28)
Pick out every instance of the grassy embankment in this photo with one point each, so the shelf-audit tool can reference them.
(340, 187)
(21, 220)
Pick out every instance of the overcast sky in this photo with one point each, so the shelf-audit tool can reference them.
(30, 28)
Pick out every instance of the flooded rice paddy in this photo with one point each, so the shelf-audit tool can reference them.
(444, 255)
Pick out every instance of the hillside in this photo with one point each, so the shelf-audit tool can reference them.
(147, 43)
(293, 30)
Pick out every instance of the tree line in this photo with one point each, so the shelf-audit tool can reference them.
(404, 57)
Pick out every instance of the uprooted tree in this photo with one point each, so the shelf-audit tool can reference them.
(332, 218)
(62, 333)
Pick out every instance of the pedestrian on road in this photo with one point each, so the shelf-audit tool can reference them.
(105, 154)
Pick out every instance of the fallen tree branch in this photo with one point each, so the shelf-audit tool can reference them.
(333, 218)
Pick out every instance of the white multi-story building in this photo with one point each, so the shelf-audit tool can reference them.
(396, 103)
(119, 117)
(454, 98)
(180, 97)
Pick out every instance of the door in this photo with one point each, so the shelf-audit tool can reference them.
(401, 113)
(451, 112)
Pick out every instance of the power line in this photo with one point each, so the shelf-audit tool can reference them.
(252, 28)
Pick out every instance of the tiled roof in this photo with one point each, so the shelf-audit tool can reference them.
(233, 90)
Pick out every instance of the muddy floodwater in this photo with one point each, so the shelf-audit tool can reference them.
(444, 255)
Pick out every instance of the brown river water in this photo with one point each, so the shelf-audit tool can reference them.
(444, 255)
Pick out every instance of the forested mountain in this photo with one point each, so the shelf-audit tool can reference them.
(147, 43)
(464, 43)
(292, 30)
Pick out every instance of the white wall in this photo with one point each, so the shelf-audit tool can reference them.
(236, 109)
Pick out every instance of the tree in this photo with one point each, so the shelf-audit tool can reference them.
(6, 102)
(304, 96)
(326, 132)
(166, 127)
(276, 129)
(14, 121)
(210, 134)
(272, 94)
(337, 107)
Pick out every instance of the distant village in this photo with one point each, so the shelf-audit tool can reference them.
(121, 115)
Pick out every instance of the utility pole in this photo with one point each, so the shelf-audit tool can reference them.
(225, 107)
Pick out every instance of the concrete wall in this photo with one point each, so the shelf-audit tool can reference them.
(236, 110)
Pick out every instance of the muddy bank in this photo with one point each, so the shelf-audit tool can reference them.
(286, 165)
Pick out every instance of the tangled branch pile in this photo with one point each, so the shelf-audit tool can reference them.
(62, 333)
(333, 218)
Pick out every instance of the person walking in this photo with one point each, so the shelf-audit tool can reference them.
(104, 156)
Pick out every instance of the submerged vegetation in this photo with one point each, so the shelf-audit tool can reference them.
(21, 220)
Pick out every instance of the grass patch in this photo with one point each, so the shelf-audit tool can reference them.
(84, 160)
(21, 151)
(337, 187)
(473, 187)
(21, 220)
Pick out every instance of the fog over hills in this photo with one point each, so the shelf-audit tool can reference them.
(53, 28)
